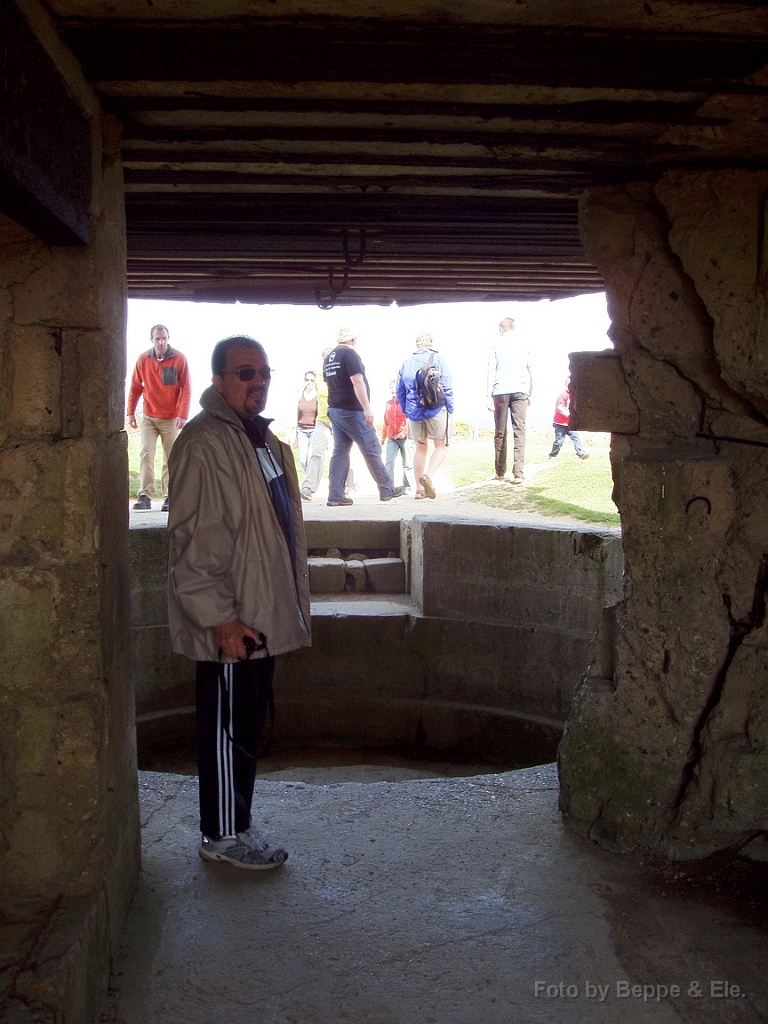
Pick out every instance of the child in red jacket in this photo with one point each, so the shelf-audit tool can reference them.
(395, 434)
(562, 419)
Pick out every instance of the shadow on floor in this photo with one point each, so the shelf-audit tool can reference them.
(445, 900)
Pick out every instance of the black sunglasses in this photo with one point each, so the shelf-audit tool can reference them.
(246, 373)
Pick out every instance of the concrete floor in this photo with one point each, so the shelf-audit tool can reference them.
(453, 901)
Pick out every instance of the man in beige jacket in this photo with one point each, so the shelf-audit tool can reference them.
(239, 593)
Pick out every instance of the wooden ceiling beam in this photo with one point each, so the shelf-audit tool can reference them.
(681, 111)
(319, 49)
(168, 139)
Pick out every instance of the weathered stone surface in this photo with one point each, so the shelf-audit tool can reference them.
(359, 534)
(327, 575)
(36, 388)
(670, 404)
(69, 834)
(48, 500)
(500, 572)
(355, 571)
(674, 700)
(717, 232)
(148, 552)
(386, 575)
(651, 300)
(531, 672)
(162, 678)
(667, 660)
(732, 767)
(601, 399)
(70, 973)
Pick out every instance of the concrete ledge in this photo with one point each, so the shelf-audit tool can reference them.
(368, 605)
(499, 572)
(357, 534)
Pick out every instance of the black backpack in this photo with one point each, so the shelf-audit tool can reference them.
(429, 386)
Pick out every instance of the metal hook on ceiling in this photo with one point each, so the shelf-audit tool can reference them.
(353, 261)
(332, 288)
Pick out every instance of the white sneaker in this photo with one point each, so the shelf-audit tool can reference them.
(244, 850)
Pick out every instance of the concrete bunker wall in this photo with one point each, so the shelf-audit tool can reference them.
(484, 663)
(69, 830)
(668, 743)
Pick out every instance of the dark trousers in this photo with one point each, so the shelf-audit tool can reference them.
(232, 702)
(517, 405)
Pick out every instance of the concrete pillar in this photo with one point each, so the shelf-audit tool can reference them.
(667, 746)
(69, 835)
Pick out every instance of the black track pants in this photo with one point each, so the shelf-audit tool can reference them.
(232, 702)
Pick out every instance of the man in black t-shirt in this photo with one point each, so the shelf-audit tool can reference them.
(349, 410)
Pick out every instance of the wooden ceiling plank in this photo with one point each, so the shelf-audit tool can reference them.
(681, 111)
(379, 51)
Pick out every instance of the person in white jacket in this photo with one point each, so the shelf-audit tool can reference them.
(238, 588)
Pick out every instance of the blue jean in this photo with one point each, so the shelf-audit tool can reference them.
(405, 447)
(304, 441)
(561, 432)
(350, 427)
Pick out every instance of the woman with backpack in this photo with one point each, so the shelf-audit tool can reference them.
(425, 393)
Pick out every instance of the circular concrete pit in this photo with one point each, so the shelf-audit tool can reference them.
(472, 661)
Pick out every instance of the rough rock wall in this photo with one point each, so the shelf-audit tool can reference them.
(667, 746)
(68, 797)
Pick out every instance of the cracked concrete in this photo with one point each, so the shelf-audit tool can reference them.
(740, 629)
(681, 718)
(429, 900)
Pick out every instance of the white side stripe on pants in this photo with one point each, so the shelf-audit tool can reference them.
(224, 759)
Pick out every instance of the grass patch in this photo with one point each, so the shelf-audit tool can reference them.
(468, 462)
(471, 462)
(565, 486)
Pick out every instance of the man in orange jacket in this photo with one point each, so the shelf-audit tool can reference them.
(162, 377)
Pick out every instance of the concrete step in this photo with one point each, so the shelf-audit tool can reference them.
(356, 574)
(353, 535)
(370, 606)
(357, 556)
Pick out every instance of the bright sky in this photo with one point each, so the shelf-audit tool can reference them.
(295, 336)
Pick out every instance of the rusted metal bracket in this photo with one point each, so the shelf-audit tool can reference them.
(334, 290)
(353, 261)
